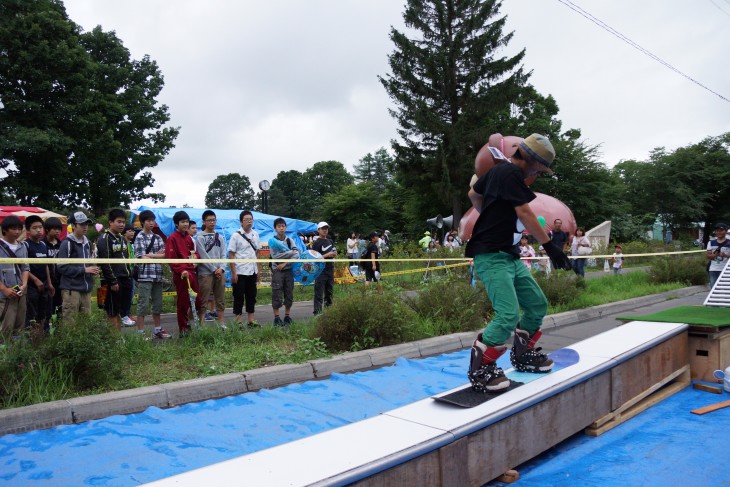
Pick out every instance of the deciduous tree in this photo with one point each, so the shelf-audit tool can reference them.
(230, 192)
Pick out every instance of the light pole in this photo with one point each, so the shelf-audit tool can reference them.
(264, 187)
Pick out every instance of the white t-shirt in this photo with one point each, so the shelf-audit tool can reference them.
(577, 241)
(243, 250)
(718, 263)
(352, 245)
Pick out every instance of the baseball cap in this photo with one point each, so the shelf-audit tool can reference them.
(79, 217)
(322, 224)
(539, 148)
(721, 226)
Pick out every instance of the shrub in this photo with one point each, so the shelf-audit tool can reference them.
(88, 348)
(560, 287)
(452, 303)
(364, 319)
(688, 270)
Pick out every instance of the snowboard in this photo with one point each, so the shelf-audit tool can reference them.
(466, 397)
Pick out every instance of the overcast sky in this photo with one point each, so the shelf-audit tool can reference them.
(267, 86)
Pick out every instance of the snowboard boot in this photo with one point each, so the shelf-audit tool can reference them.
(484, 374)
(525, 357)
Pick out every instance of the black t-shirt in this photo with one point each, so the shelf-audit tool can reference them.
(371, 249)
(40, 251)
(559, 238)
(324, 246)
(503, 188)
(52, 251)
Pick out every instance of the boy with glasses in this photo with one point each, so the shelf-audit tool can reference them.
(245, 276)
(212, 277)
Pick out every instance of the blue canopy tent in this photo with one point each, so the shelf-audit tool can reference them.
(228, 223)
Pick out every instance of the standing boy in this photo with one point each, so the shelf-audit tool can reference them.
(40, 287)
(718, 251)
(502, 199)
(212, 277)
(559, 237)
(282, 279)
(77, 280)
(148, 246)
(52, 227)
(245, 276)
(180, 245)
(112, 245)
(372, 266)
(324, 285)
(13, 279)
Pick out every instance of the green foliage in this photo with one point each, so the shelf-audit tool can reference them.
(359, 208)
(75, 106)
(560, 287)
(323, 178)
(687, 270)
(377, 169)
(87, 348)
(364, 319)
(230, 192)
(451, 87)
(453, 304)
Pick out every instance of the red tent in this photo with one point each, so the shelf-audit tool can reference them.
(24, 211)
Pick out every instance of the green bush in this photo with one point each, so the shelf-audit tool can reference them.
(560, 287)
(88, 348)
(689, 270)
(365, 319)
(452, 303)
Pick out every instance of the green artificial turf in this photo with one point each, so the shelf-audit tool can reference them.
(692, 315)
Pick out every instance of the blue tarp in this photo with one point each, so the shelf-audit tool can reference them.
(228, 223)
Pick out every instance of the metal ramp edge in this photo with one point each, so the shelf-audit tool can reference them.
(720, 293)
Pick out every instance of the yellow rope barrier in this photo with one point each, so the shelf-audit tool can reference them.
(96, 260)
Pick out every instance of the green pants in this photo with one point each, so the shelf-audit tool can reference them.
(510, 286)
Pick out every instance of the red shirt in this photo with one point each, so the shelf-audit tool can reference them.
(178, 246)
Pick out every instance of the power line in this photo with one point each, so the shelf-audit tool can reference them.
(719, 7)
(633, 44)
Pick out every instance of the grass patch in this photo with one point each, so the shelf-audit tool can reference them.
(89, 357)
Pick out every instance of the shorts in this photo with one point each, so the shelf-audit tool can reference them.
(74, 302)
(370, 274)
(217, 287)
(114, 302)
(149, 292)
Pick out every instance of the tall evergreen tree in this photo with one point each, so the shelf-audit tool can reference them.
(377, 169)
(451, 88)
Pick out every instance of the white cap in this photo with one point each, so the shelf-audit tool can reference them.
(322, 224)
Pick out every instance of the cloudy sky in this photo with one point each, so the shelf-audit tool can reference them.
(262, 87)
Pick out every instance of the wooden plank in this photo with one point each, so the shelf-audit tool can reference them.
(711, 407)
(643, 405)
(684, 371)
(706, 388)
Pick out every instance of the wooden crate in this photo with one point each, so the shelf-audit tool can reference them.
(709, 350)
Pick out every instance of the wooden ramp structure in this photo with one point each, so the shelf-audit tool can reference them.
(427, 443)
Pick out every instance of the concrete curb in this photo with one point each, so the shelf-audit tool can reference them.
(81, 409)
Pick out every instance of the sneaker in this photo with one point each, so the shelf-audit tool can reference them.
(278, 322)
(161, 334)
(127, 321)
(253, 324)
(484, 373)
(209, 316)
(288, 320)
(223, 326)
(525, 357)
